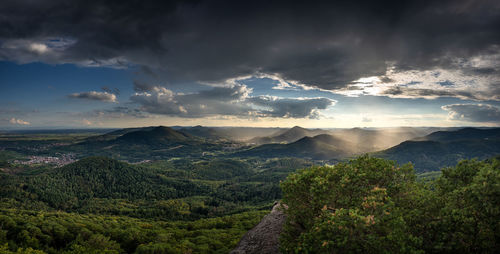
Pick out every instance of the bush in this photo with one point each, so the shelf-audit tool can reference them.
(372, 205)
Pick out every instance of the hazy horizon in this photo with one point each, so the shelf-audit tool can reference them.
(35, 128)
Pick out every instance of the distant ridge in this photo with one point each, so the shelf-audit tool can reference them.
(287, 136)
(204, 132)
(154, 143)
(116, 133)
(322, 146)
(446, 148)
(160, 134)
(461, 134)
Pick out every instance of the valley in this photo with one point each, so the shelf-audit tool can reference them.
(187, 178)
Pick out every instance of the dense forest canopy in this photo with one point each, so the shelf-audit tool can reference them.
(373, 205)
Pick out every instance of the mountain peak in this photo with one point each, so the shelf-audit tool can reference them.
(160, 133)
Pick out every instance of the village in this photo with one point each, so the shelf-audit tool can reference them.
(60, 161)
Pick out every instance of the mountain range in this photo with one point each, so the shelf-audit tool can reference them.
(149, 143)
(320, 147)
(287, 135)
(427, 148)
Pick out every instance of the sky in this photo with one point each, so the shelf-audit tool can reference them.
(317, 64)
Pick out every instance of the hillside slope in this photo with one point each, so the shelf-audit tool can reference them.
(320, 147)
(150, 143)
(446, 148)
(100, 177)
(287, 136)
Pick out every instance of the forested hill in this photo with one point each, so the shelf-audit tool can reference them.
(101, 205)
(462, 134)
(100, 177)
(320, 147)
(446, 148)
(149, 143)
(205, 132)
(160, 134)
(288, 136)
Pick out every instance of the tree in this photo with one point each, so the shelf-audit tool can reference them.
(348, 208)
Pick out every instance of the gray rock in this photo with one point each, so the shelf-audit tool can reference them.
(263, 238)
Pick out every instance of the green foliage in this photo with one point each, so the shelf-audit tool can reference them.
(348, 208)
(428, 177)
(59, 232)
(371, 205)
(175, 206)
(152, 143)
(98, 177)
(470, 212)
(4, 249)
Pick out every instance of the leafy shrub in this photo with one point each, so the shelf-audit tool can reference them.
(372, 205)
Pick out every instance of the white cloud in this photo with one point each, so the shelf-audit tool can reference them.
(272, 106)
(18, 121)
(473, 79)
(39, 48)
(47, 49)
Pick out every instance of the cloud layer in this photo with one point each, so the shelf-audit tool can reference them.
(324, 44)
(473, 112)
(96, 96)
(16, 121)
(234, 101)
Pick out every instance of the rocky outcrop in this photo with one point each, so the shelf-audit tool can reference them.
(263, 238)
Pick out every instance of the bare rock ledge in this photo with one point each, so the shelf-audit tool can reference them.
(263, 238)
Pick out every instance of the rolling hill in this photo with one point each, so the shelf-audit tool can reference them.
(205, 132)
(371, 140)
(116, 133)
(321, 147)
(100, 177)
(155, 136)
(445, 148)
(287, 136)
(149, 143)
(364, 139)
(462, 134)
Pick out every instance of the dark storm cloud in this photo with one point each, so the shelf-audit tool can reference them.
(398, 90)
(473, 112)
(217, 101)
(235, 101)
(401, 91)
(140, 86)
(327, 44)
